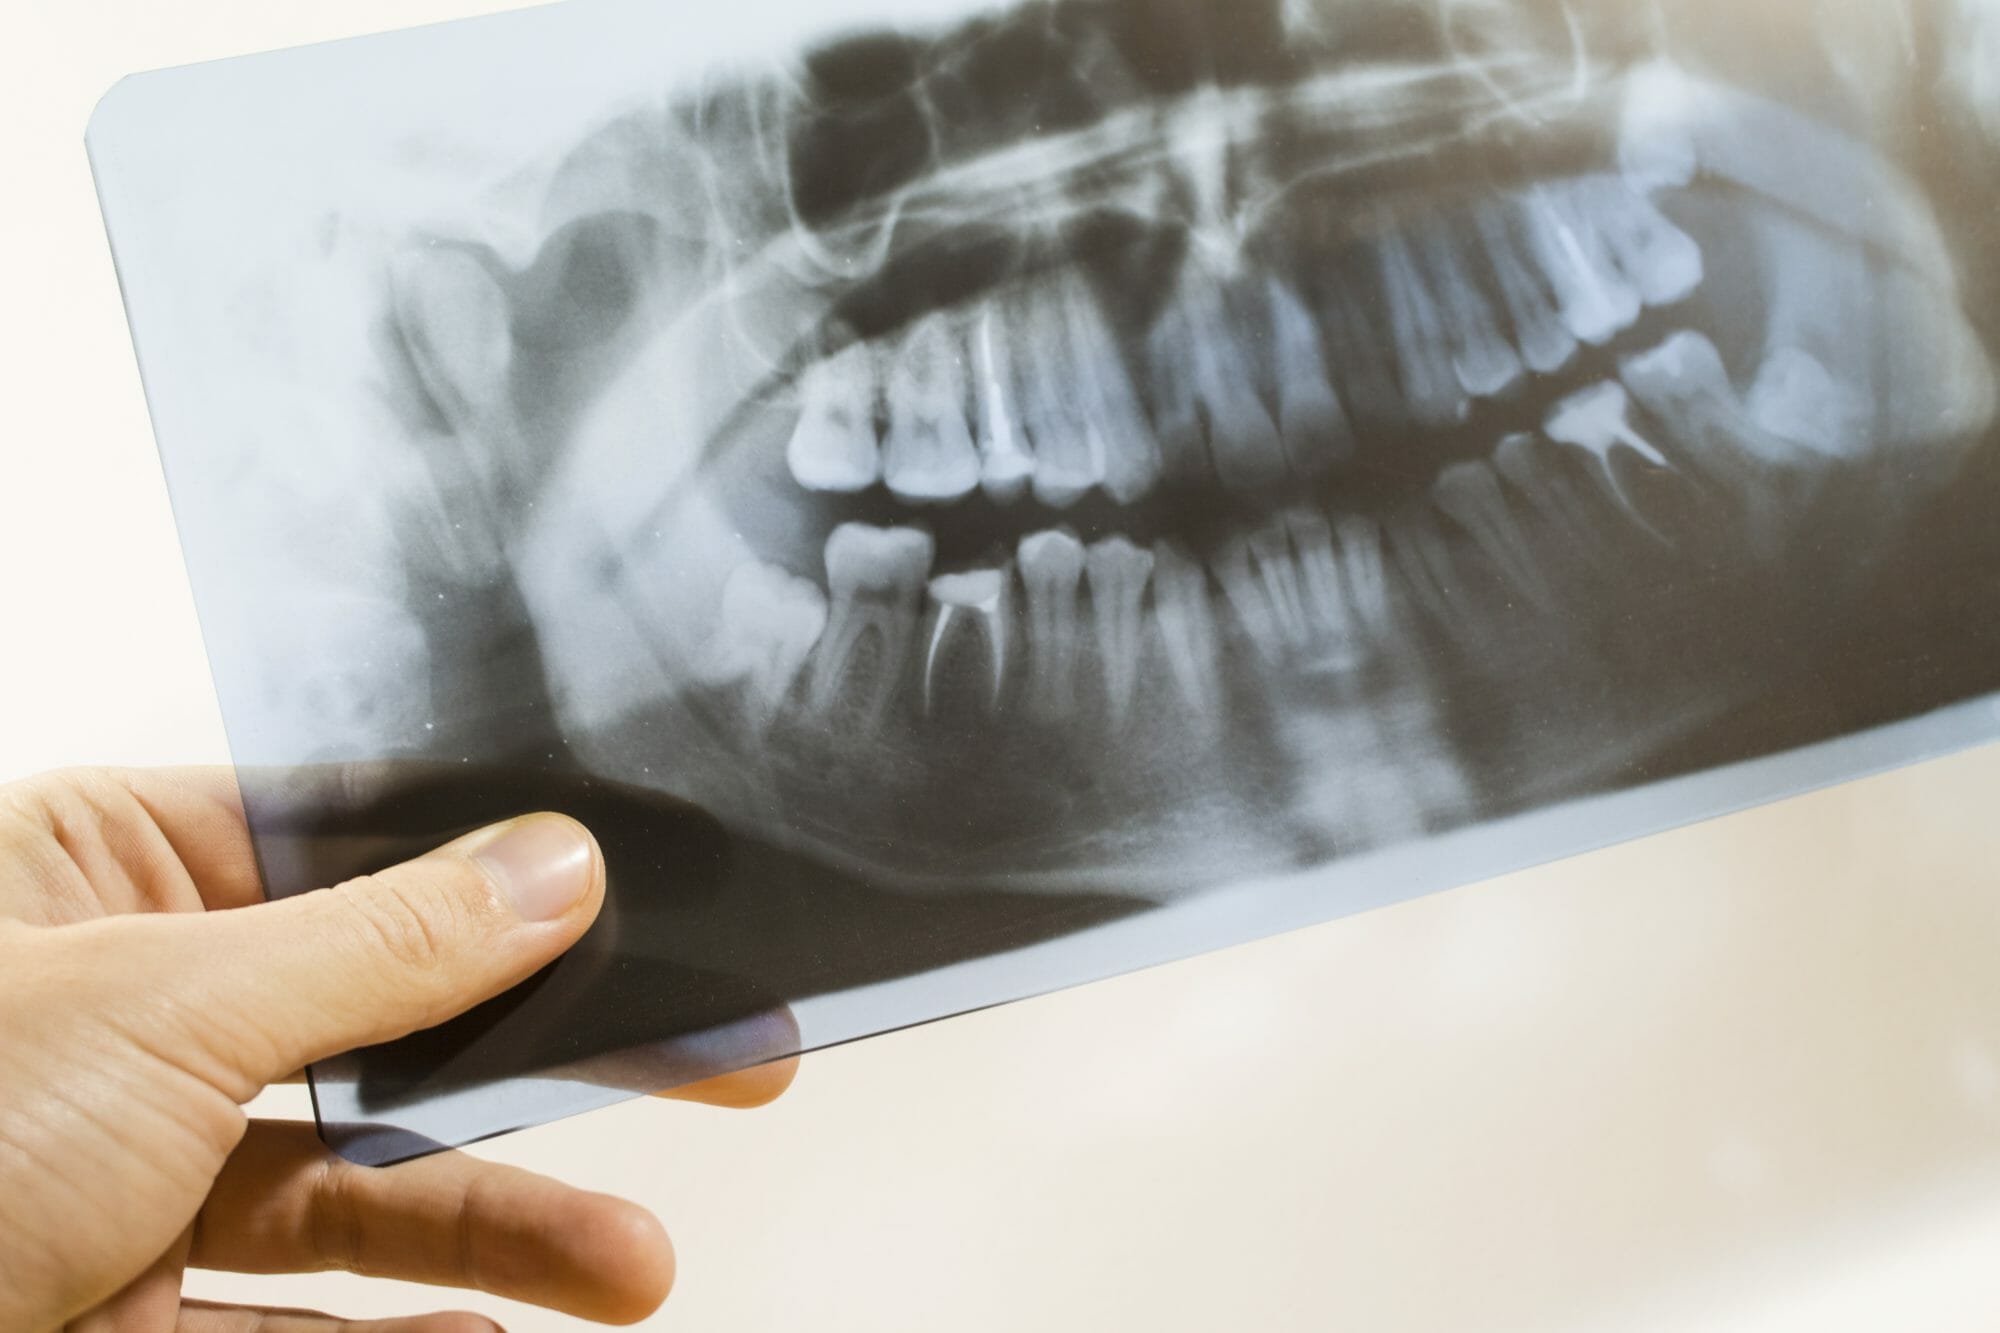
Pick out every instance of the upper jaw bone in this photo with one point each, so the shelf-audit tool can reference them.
(833, 446)
(1119, 573)
(928, 454)
(1051, 565)
(876, 580)
(978, 601)
(770, 621)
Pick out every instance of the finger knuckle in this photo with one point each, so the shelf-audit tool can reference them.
(412, 929)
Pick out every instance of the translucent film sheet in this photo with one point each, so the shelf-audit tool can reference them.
(968, 499)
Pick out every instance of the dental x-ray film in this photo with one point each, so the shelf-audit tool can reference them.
(970, 498)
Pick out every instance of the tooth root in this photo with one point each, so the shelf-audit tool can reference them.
(834, 448)
(1177, 423)
(979, 601)
(1121, 441)
(1659, 259)
(1422, 556)
(1363, 561)
(1186, 621)
(1552, 495)
(1243, 442)
(875, 578)
(1485, 362)
(1417, 328)
(1546, 345)
(1005, 465)
(1119, 573)
(1051, 565)
(1069, 462)
(1260, 580)
(928, 454)
(1314, 427)
(1593, 297)
(769, 624)
(1598, 421)
(1367, 381)
(1469, 494)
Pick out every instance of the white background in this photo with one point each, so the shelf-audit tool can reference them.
(1743, 1077)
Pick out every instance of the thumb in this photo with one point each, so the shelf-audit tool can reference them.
(264, 990)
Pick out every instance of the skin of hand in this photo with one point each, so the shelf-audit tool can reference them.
(147, 992)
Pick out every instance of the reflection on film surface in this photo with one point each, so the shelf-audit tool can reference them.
(1063, 460)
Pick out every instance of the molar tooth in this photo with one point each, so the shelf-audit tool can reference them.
(1546, 345)
(1552, 494)
(875, 577)
(1207, 389)
(834, 446)
(770, 621)
(982, 599)
(1005, 465)
(1186, 621)
(1119, 573)
(1311, 421)
(1469, 494)
(1593, 297)
(1051, 565)
(1598, 421)
(1417, 327)
(928, 453)
(1660, 259)
(1485, 362)
(1260, 579)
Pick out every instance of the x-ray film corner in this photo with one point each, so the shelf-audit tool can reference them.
(967, 499)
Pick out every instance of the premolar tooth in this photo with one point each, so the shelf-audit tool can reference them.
(1207, 390)
(1469, 494)
(979, 598)
(1659, 259)
(1260, 578)
(1598, 421)
(1069, 457)
(1051, 565)
(1119, 573)
(875, 577)
(1423, 555)
(928, 453)
(1485, 362)
(1186, 620)
(1005, 465)
(770, 621)
(1546, 345)
(1595, 300)
(1417, 327)
(1367, 380)
(834, 446)
(1120, 437)
(1363, 561)
(1320, 579)
(1311, 421)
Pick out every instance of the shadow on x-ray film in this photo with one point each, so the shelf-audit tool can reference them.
(950, 500)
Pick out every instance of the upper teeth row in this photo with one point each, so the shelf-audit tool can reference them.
(1248, 385)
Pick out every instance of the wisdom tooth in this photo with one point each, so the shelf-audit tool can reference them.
(1005, 465)
(1187, 630)
(1310, 419)
(928, 455)
(1206, 389)
(1660, 259)
(833, 447)
(1795, 398)
(1656, 146)
(1598, 421)
(1546, 346)
(1469, 494)
(1485, 362)
(769, 623)
(876, 579)
(1119, 573)
(1417, 327)
(983, 599)
(1593, 297)
(1051, 565)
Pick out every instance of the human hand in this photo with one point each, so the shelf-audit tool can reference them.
(147, 993)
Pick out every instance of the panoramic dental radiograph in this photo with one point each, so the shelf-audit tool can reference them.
(969, 498)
